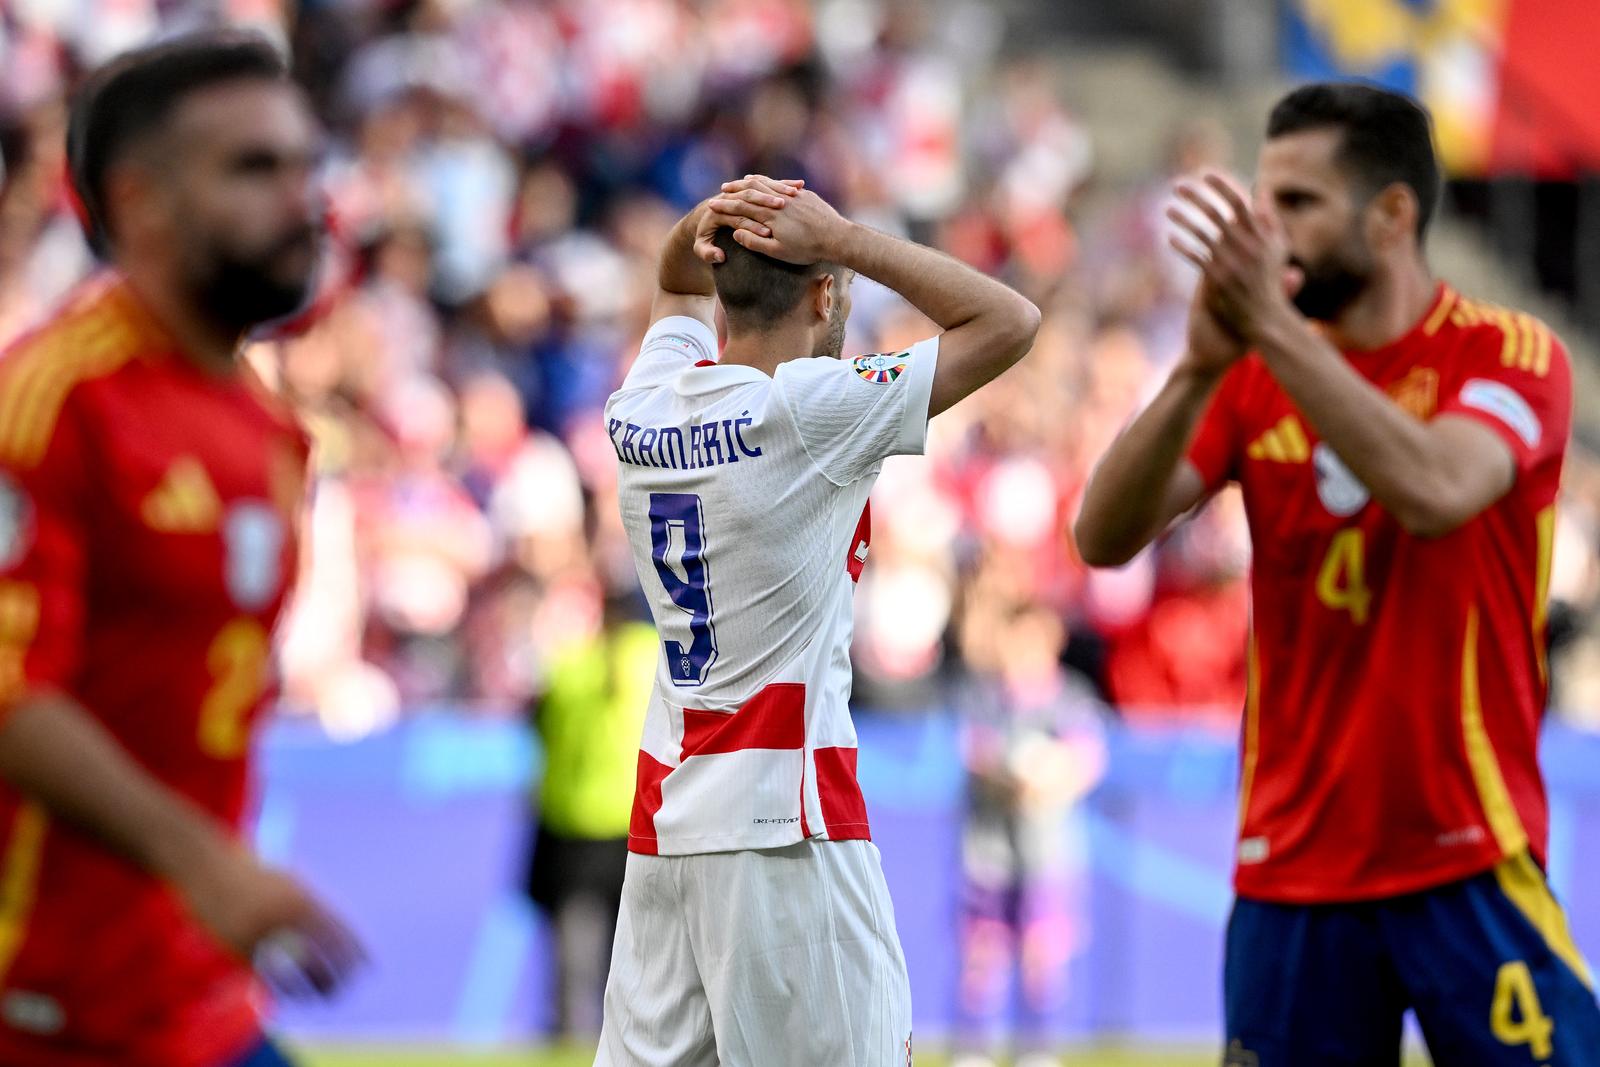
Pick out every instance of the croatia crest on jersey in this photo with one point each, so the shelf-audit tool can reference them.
(883, 368)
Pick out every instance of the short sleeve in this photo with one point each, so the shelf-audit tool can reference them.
(1214, 452)
(671, 345)
(42, 566)
(853, 413)
(1519, 385)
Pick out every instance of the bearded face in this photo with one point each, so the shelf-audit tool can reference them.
(1323, 210)
(243, 286)
(1334, 279)
(242, 204)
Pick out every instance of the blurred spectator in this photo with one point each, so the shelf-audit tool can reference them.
(42, 251)
(1033, 744)
(1574, 614)
(423, 544)
(588, 718)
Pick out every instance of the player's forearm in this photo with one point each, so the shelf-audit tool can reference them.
(949, 292)
(681, 271)
(1398, 457)
(943, 288)
(55, 753)
(1131, 496)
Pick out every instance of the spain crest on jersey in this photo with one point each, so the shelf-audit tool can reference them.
(882, 368)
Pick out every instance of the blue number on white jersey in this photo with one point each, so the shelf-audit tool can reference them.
(677, 529)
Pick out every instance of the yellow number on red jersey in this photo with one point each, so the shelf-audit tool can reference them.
(1342, 582)
(238, 661)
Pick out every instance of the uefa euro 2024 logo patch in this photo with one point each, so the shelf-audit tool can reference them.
(883, 368)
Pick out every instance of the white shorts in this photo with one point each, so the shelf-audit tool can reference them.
(783, 957)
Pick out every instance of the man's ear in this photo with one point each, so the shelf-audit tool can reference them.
(1392, 216)
(133, 198)
(824, 295)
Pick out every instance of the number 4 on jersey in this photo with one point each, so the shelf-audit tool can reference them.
(677, 529)
(1342, 582)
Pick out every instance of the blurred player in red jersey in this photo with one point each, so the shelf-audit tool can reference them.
(1400, 448)
(148, 499)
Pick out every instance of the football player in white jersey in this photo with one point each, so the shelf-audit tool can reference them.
(756, 928)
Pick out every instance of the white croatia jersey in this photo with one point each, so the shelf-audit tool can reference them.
(745, 501)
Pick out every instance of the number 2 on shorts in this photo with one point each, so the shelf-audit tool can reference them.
(677, 527)
(1515, 1017)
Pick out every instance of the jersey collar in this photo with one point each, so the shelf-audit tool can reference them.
(710, 377)
(1444, 298)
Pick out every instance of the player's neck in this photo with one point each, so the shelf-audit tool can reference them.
(1386, 312)
(766, 349)
(211, 348)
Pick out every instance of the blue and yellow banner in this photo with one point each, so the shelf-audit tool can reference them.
(1506, 80)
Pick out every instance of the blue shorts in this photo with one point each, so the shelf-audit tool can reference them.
(1487, 964)
(265, 1054)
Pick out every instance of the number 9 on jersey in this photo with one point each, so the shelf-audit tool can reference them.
(677, 545)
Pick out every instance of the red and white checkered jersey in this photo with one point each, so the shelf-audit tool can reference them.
(745, 500)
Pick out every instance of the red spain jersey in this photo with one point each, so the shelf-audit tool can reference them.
(1397, 682)
(146, 541)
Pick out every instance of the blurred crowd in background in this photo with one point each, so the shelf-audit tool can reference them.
(501, 176)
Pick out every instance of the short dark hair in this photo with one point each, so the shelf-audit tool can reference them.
(1387, 137)
(130, 98)
(756, 290)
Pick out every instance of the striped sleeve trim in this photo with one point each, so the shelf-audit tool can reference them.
(38, 377)
(1525, 342)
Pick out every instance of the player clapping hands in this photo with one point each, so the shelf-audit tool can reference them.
(1243, 254)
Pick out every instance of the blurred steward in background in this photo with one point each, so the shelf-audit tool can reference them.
(588, 718)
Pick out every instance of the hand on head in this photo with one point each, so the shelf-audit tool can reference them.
(748, 203)
(781, 219)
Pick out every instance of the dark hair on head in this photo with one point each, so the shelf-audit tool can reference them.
(130, 97)
(1387, 137)
(757, 290)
